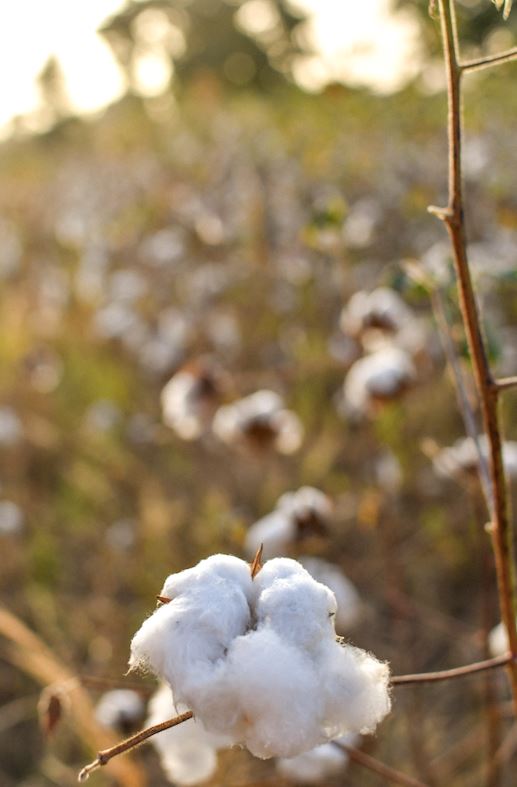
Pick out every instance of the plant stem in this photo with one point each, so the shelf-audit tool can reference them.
(378, 767)
(453, 217)
(491, 60)
(103, 757)
(457, 672)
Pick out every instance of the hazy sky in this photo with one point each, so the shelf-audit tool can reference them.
(357, 39)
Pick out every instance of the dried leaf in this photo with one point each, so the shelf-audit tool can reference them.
(51, 708)
(163, 600)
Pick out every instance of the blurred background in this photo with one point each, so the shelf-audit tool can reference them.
(232, 195)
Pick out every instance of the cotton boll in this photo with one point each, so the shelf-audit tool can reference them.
(347, 597)
(498, 642)
(276, 532)
(259, 422)
(313, 766)
(188, 753)
(298, 514)
(189, 400)
(277, 688)
(355, 689)
(461, 459)
(380, 377)
(257, 660)
(371, 317)
(120, 709)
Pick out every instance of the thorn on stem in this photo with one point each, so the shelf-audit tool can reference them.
(444, 214)
(257, 562)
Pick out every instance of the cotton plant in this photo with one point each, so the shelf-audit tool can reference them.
(305, 512)
(319, 764)
(120, 709)
(382, 376)
(190, 399)
(259, 422)
(461, 459)
(255, 657)
(188, 753)
(371, 318)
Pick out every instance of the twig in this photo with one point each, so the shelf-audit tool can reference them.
(487, 388)
(456, 672)
(378, 767)
(103, 757)
(505, 383)
(481, 63)
(469, 420)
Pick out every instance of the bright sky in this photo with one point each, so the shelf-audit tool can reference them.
(357, 40)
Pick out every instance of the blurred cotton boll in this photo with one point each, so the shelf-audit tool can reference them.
(11, 429)
(318, 764)
(461, 460)
(498, 643)
(347, 597)
(190, 399)
(381, 377)
(372, 317)
(11, 518)
(188, 753)
(259, 422)
(298, 515)
(122, 710)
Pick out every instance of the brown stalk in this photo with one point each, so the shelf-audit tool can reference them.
(488, 389)
(456, 672)
(103, 757)
(378, 767)
(27, 651)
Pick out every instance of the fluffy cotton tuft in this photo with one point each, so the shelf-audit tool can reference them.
(257, 661)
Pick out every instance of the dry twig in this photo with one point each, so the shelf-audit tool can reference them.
(488, 388)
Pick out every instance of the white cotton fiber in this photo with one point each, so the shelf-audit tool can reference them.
(188, 753)
(257, 660)
(184, 639)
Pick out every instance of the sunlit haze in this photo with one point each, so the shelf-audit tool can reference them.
(358, 42)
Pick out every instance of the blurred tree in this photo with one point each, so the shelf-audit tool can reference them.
(241, 42)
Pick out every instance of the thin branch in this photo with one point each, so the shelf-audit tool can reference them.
(481, 63)
(378, 767)
(437, 302)
(103, 757)
(505, 383)
(502, 538)
(457, 672)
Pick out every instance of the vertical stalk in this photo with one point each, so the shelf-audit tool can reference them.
(453, 216)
